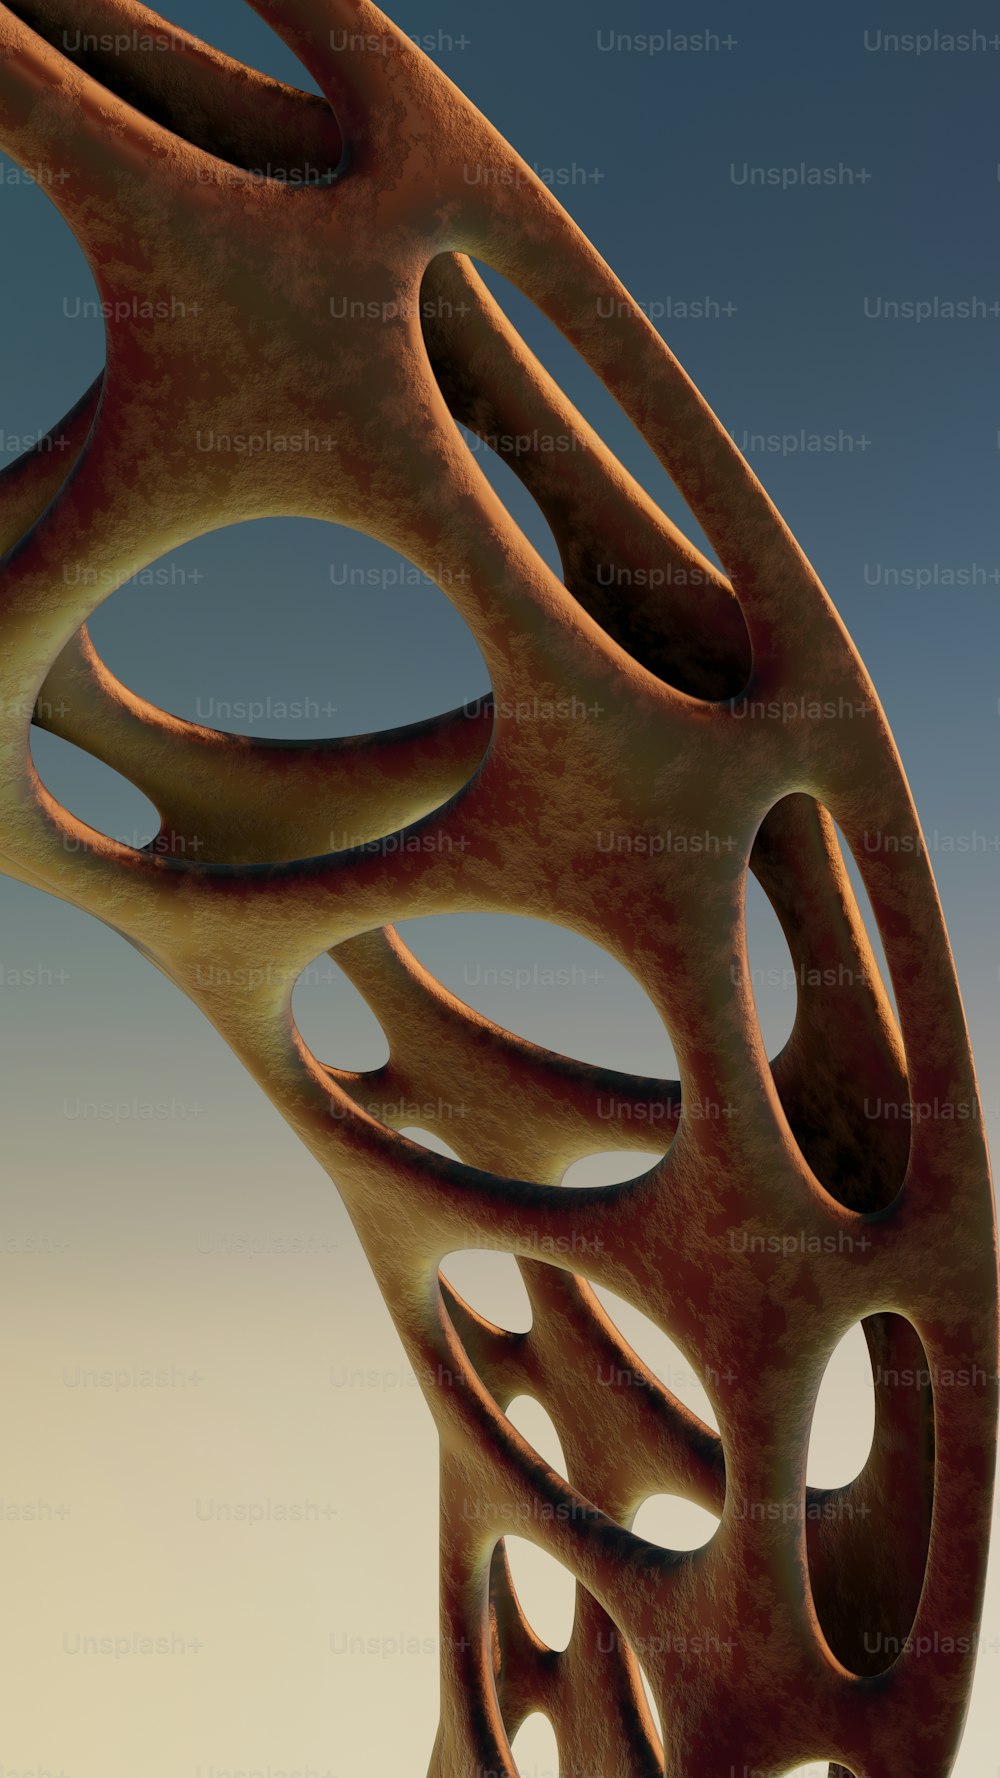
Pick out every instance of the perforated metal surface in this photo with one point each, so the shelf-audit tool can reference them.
(710, 726)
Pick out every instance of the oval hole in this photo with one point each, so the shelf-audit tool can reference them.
(338, 622)
(546, 1591)
(673, 614)
(537, 1429)
(492, 1285)
(840, 1077)
(546, 984)
(674, 1523)
(772, 972)
(589, 395)
(50, 318)
(661, 1356)
(246, 37)
(93, 792)
(868, 1542)
(335, 1021)
(535, 1749)
(843, 1424)
(613, 1166)
(270, 142)
(525, 512)
(875, 843)
(450, 292)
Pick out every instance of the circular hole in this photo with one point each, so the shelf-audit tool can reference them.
(546, 1591)
(289, 629)
(843, 1424)
(546, 984)
(674, 1523)
(659, 1354)
(335, 1021)
(537, 1429)
(491, 1284)
(92, 792)
(535, 1749)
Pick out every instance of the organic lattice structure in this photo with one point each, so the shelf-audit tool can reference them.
(728, 719)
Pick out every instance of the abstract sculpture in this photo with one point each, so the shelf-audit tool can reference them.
(727, 724)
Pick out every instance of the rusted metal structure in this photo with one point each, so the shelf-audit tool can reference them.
(336, 299)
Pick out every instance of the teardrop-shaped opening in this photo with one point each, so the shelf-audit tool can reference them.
(537, 1429)
(429, 1139)
(843, 1423)
(205, 102)
(546, 1591)
(535, 1749)
(868, 1541)
(674, 1523)
(841, 1075)
(661, 1356)
(490, 1283)
(546, 984)
(615, 1166)
(94, 793)
(335, 1021)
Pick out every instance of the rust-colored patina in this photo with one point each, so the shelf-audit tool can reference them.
(725, 717)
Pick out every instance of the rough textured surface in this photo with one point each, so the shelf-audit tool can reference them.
(726, 718)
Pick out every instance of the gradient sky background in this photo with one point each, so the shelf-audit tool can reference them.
(161, 1241)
